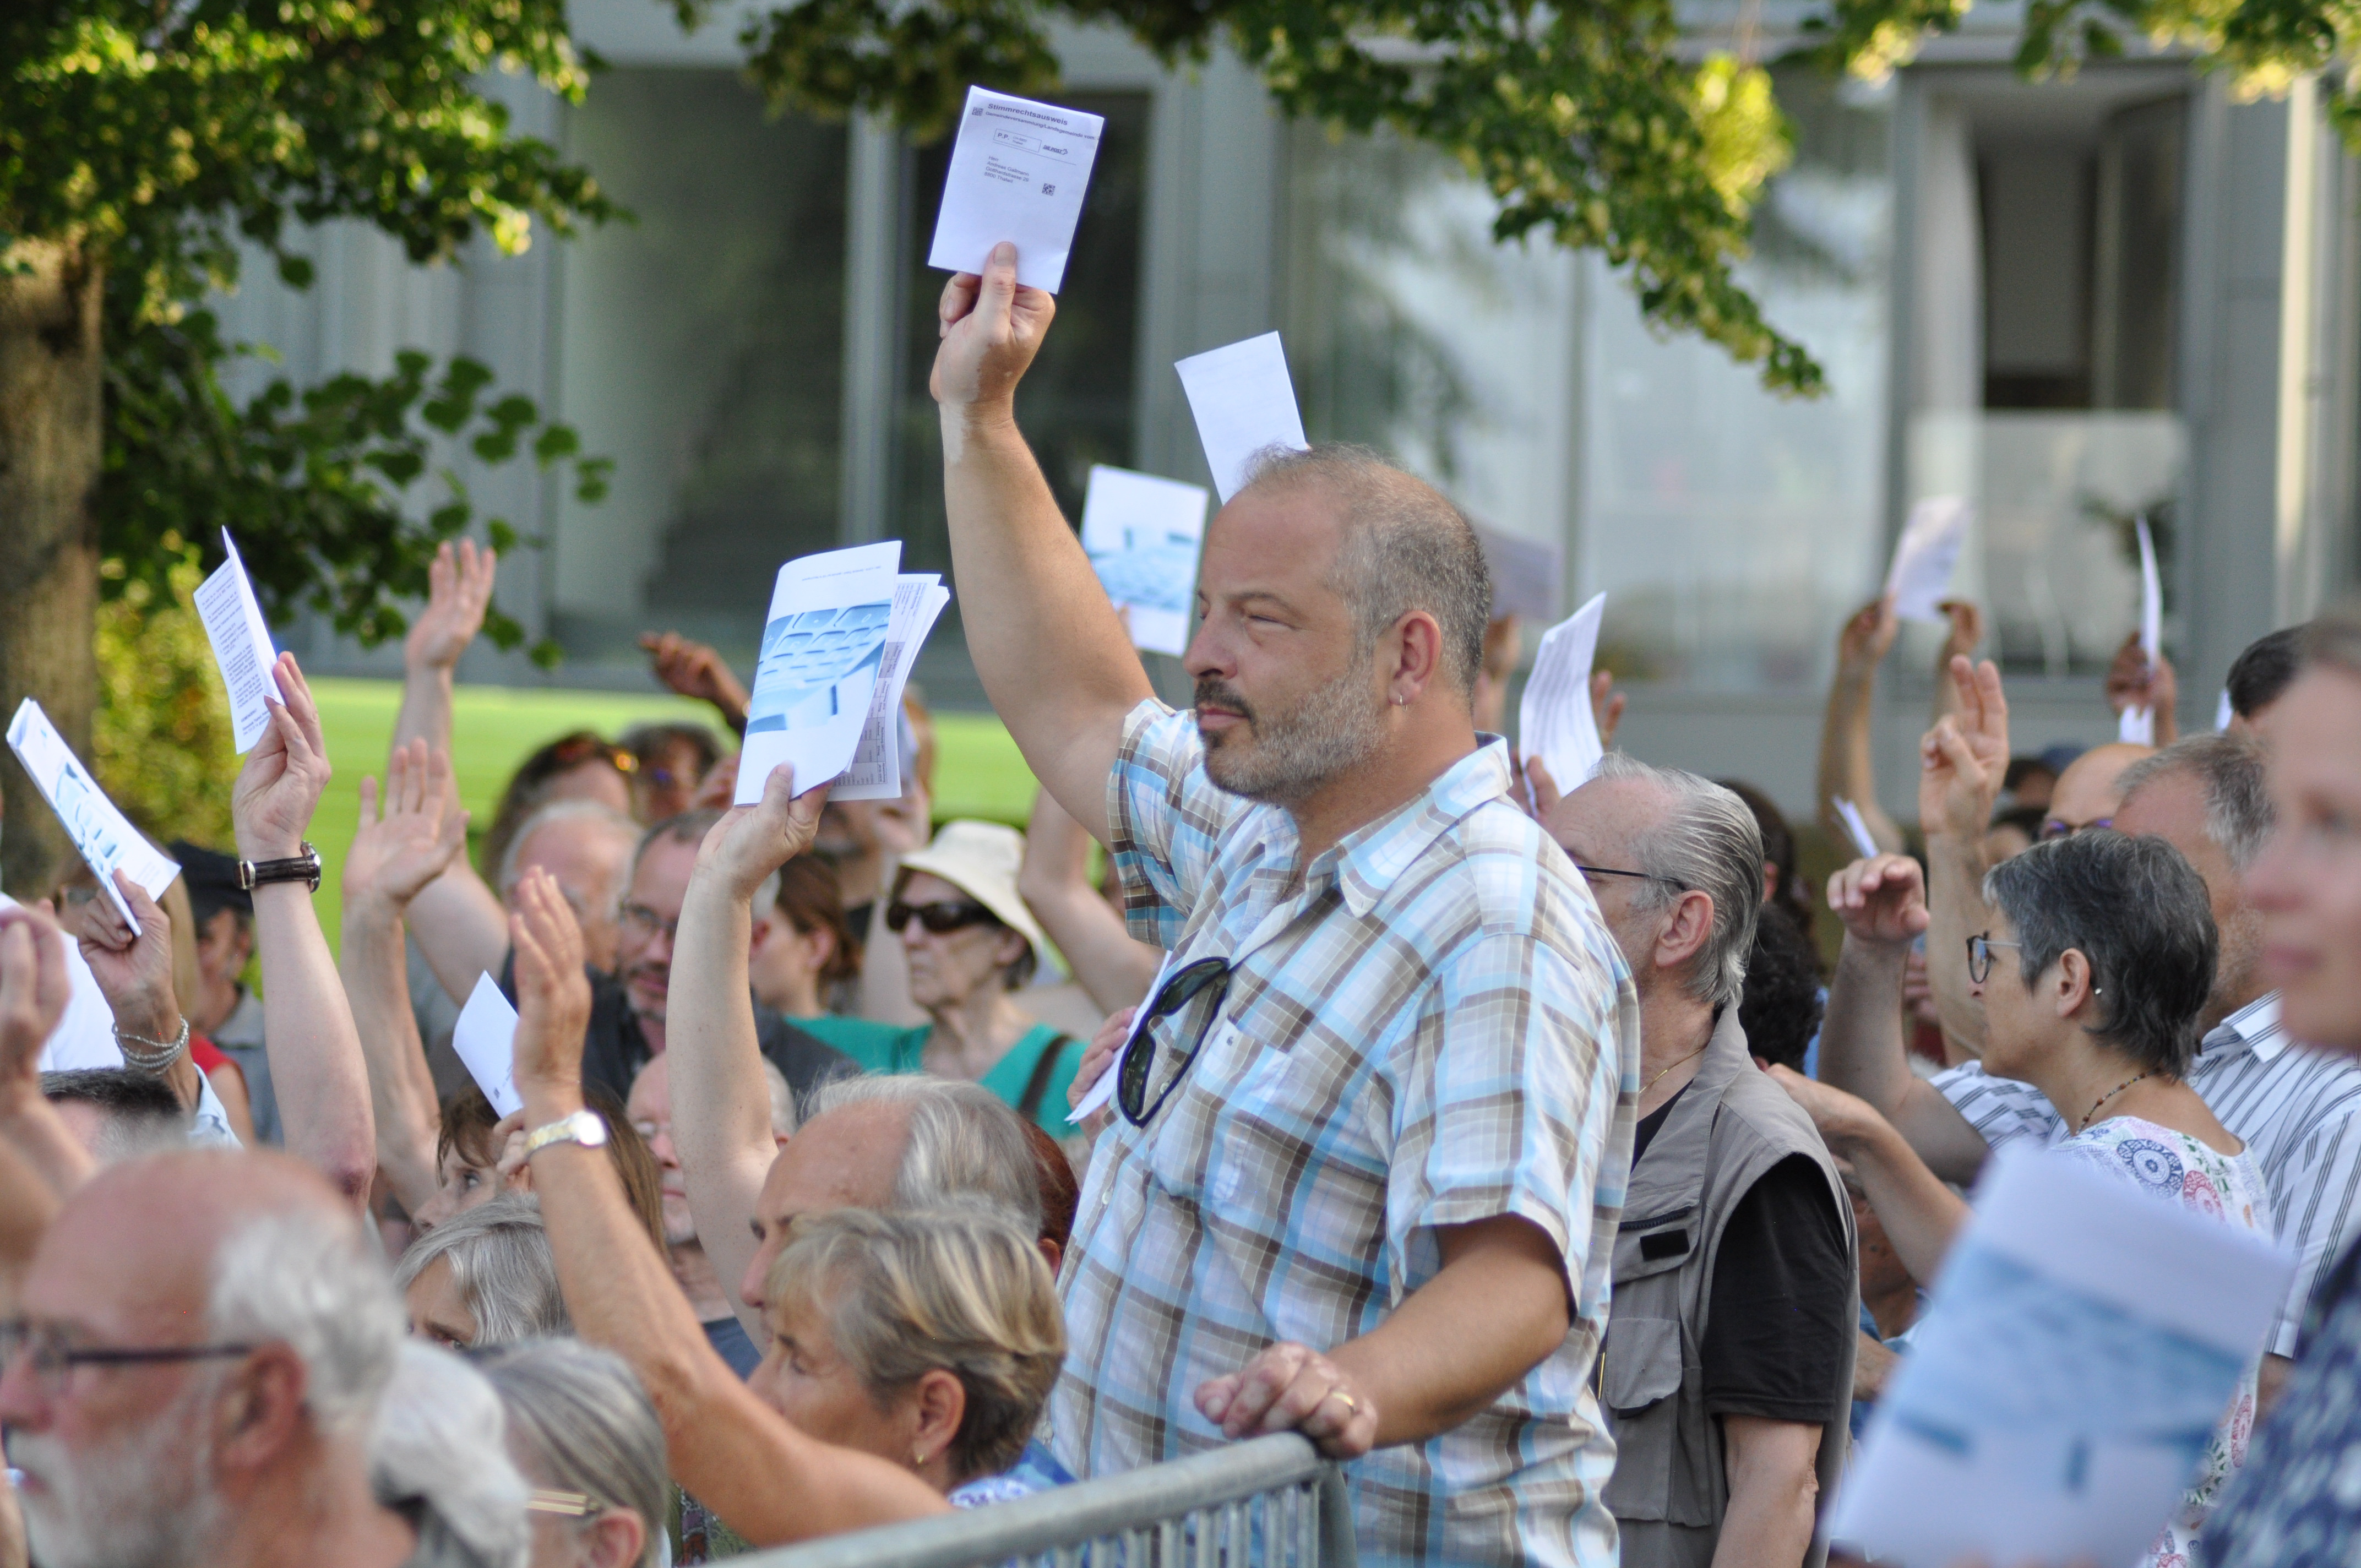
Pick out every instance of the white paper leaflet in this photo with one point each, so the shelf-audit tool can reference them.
(1017, 174)
(2137, 724)
(1863, 845)
(1143, 535)
(1103, 1091)
(103, 835)
(822, 657)
(1554, 720)
(485, 1038)
(2084, 1340)
(876, 772)
(1243, 403)
(241, 640)
(1920, 577)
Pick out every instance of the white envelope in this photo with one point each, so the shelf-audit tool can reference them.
(100, 833)
(1244, 404)
(823, 651)
(1924, 556)
(242, 650)
(1143, 535)
(1554, 718)
(1017, 174)
(485, 1040)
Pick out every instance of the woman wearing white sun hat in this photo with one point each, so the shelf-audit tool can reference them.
(970, 944)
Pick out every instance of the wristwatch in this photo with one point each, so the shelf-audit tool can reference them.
(305, 868)
(585, 1127)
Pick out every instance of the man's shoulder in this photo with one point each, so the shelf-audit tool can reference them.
(1754, 1102)
(1520, 883)
(801, 1056)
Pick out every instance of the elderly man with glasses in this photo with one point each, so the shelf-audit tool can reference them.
(1729, 1348)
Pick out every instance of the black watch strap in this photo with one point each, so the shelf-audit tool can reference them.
(303, 868)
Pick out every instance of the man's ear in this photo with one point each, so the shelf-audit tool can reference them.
(615, 1540)
(1418, 658)
(259, 1413)
(1686, 931)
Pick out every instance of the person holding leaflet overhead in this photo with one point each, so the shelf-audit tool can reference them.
(1373, 1136)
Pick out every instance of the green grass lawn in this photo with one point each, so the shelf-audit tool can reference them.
(978, 770)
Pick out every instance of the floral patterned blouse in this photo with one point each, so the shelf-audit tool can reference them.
(2228, 1188)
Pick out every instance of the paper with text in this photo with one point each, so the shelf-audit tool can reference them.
(1855, 828)
(1100, 1093)
(1926, 554)
(823, 646)
(1243, 403)
(877, 769)
(100, 833)
(2137, 724)
(1553, 719)
(1143, 535)
(241, 640)
(1017, 174)
(2223, 711)
(2084, 1340)
(485, 1038)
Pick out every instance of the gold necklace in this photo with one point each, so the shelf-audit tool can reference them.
(2110, 1094)
(1660, 1077)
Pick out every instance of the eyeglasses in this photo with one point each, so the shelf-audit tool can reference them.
(566, 1504)
(1980, 955)
(2058, 827)
(942, 919)
(1184, 987)
(575, 750)
(645, 922)
(1643, 876)
(53, 1359)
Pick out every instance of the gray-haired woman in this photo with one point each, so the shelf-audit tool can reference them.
(484, 1278)
(581, 1429)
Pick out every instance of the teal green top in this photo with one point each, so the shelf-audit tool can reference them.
(886, 1047)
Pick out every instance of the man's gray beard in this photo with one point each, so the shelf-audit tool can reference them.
(144, 1500)
(1329, 733)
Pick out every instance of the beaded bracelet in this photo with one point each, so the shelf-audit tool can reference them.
(154, 1057)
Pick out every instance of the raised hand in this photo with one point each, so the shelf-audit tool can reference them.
(1966, 633)
(134, 968)
(1862, 645)
(416, 835)
(696, 671)
(458, 593)
(553, 992)
(33, 991)
(1881, 902)
(1541, 794)
(750, 842)
(1965, 758)
(2133, 682)
(1293, 1388)
(277, 791)
(1606, 707)
(992, 327)
(1096, 1061)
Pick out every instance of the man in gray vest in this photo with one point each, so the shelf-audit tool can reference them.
(1727, 1374)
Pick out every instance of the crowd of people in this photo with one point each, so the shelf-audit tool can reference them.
(1513, 1143)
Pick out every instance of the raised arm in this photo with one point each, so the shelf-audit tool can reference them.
(458, 593)
(2133, 682)
(1884, 908)
(133, 970)
(1047, 647)
(720, 1108)
(1962, 763)
(316, 1067)
(397, 851)
(696, 671)
(1847, 769)
(1055, 882)
(767, 1481)
(34, 992)
(1922, 1217)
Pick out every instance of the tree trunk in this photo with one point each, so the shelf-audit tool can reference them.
(52, 403)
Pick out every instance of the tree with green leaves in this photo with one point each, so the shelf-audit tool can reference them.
(144, 146)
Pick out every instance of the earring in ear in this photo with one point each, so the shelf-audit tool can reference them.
(919, 1457)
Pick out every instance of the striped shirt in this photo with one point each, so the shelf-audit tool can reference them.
(2294, 1109)
(1431, 1027)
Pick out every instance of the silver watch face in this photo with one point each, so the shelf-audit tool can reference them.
(589, 1128)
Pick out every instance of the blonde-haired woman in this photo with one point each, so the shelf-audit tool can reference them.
(928, 1339)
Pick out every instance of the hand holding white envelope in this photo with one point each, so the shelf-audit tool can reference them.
(1017, 174)
(1555, 722)
(102, 835)
(1926, 555)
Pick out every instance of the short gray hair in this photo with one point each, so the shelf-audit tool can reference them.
(306, 1277)
(783, 1119)
(1405, 547)
(582, 1412)
(501, 1263)
(441, 1439)
(965, 1144)
(2139, 912)
(2229, 767)
(597, 812)
(1709, 842)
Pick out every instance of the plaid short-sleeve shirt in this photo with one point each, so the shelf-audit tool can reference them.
(1431, 1027)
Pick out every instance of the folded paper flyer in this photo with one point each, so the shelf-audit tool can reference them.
(1143, 535)
(103, 835)
(1926, 555)
(1244, 403)
(241, 640)
(879, 762)
(1555, 722)
(485, 1040)
(1017, 174)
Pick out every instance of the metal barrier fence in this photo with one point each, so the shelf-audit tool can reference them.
(1271, 1503)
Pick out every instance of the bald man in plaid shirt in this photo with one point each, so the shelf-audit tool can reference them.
(1369, 1148)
